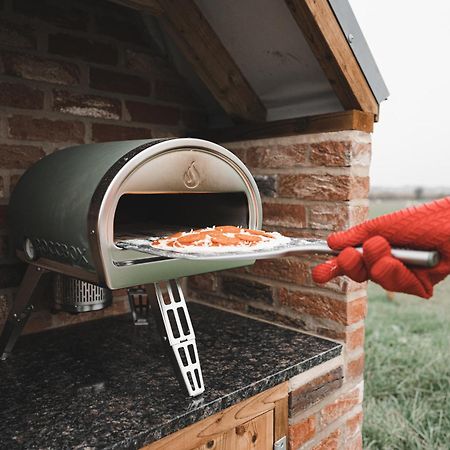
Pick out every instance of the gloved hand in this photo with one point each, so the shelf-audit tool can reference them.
(424, 227)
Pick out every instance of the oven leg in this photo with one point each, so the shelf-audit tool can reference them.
(21, 308)
(172, 317)
(139, 305)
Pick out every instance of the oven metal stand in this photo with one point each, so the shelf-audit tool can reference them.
(172, 317)
(32, 287)
(139, 305)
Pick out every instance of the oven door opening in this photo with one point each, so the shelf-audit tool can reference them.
(144, 215)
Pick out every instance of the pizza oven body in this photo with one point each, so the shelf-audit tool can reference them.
(68, 209)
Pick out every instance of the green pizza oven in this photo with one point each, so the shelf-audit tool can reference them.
(70, 208)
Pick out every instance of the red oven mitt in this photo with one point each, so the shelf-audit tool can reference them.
(425, 227)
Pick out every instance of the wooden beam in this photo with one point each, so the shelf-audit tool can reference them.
(328, 43)
(340, 121)
(196, 39)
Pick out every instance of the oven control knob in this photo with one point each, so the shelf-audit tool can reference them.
(30, 250)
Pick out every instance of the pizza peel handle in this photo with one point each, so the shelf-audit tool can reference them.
(421, 258)
(295, 245)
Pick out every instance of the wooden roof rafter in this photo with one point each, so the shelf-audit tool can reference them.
(321, 29)
(211, 61)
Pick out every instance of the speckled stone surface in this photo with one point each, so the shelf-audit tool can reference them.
(109, 384)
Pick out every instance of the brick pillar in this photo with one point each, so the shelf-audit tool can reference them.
(311, 185)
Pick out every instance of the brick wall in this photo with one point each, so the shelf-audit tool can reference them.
(74, 72)
(311, 185)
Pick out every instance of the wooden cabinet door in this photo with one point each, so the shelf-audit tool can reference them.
(253, 424)
(256, 434)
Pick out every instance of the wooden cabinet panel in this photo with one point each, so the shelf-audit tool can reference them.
(256, 434)
(235, 428)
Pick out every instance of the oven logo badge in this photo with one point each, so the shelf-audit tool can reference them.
(191, 177)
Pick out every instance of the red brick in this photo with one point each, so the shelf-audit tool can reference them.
(329, 443)
(335, 331)
(355, 339)
(244, 289)
(146, 112)
(65, 16)
(286, 269)
(358, 214)
(2, 187)
(340, 406)
(16, 35)
(28, 128)
(117, 82)
(353, 425)
(147, 63)
(123, 28)
(342, 312)
(328, 217)
(355, 367)
(19, 156)
(20, 96)
(361, 154)
(281, 214)
(176, 91)
(82, 48)
(301, 432)
(331, 153)
(102, 132)
(205, 282)
(323, 187)
(241, 153)
(340, 154)
(40, 69)
(86, 105)
(355, 443)
(356, 310)
(335, 217)
(315, 390)
(277, 156)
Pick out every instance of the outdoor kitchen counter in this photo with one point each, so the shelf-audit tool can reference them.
(109, 384)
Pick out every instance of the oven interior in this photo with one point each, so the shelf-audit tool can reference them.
(159, 214)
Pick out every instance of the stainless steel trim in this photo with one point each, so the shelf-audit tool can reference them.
(281, 444)
(355, 37)
(102, 233)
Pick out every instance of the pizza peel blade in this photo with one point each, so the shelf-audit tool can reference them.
(295, 245)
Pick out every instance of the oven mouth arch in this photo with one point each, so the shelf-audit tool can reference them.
(105, 202)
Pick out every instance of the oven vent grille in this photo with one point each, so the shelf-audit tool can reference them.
(75, 296)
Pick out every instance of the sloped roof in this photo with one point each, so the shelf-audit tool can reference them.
(286, 59)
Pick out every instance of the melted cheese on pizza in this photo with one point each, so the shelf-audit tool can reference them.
(217, 239)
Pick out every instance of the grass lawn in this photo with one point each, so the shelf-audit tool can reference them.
(407, 376)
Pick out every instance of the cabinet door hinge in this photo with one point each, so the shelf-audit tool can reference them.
(281, 444)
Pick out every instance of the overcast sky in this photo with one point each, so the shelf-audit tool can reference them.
(410, 41)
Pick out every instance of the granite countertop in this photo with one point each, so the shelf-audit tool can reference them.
(109, 384)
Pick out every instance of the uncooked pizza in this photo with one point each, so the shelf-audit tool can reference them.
(220, 239)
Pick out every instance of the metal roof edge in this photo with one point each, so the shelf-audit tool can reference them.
(355, 38)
